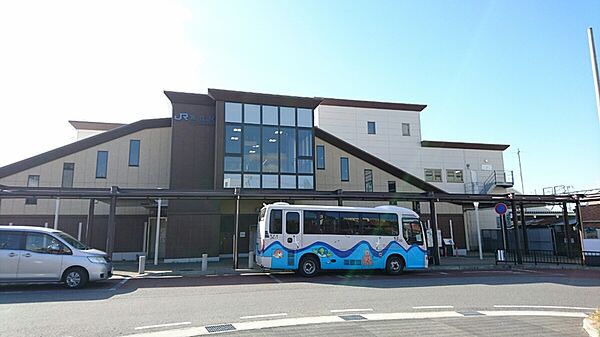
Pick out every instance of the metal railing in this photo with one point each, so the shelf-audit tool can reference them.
(544, 256)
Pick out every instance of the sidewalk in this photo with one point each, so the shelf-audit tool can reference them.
(225, 267)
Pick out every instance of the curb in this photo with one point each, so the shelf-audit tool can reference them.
(591, 328)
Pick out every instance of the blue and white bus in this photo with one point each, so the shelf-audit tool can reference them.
(310, 238)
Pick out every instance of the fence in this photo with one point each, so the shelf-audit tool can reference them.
(547, 256)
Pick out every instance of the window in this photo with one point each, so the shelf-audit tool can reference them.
(288, 181)
(270, 115)
(306, 182)
(10, 241)
(101, 164)
(305, 117)
(134, 152)
(320, 157)
(379, 224)
(275, 222)
(368, 180)
(287, 116)
(371, 128)
(252, 148)
(389, 224)
(67, 175)
(233, 112)
(305, 143)
(270, 181)
(305, 166)
(433, 175)
(350, 223)
(370, 224)
(233, 164)
(454, 176)
(320, 222)
(392, 186)
(251, 114)
(270, 149)
(344, 169)
(287, 150)
(42, 243)
(233, 138)
(232, 180)
(251, 181)
(405, 129)
(413, 232)
(292, 223)
(32, 181)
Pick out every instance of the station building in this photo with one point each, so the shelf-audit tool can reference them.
(230, 139)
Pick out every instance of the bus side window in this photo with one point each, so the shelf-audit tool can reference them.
(275, 222)
(292, 223)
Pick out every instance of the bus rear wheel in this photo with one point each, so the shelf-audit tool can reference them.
(309, 266)
(394, 265)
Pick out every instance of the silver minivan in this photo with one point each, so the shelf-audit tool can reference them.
(37, 254)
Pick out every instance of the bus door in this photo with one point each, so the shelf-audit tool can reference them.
(292, 239)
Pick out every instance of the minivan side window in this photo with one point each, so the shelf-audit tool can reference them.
(42, 243)
(292, 223)
(10, 241)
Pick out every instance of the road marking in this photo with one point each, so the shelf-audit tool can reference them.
(485, 271)
(411, 315)
(434, 307)
(11, 292)
(274, 278)
(350, 310)
(543, 307)
(161, 325)
(443, 273)
(120, 284)
(264, 316)
(533, 313)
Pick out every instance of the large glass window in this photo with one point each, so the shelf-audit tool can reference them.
(134, 152)
(270, 149)
(251, 114)
(344, 169)
(252, 148)
(270, 115)
(305, 117)
(320, 157)
(287, 116)
(233, 138)
(67, 176)
(233, 112)
(101, 164)
(305, 142)
(287, 150)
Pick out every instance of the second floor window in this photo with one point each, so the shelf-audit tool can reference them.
(320, 157)
(368, 180)
(405, 129)
(134, 152)
(67, 176)
(32, 181)
(433, 175)
(101, 164)
(344, 169)
(454, 176)
(371, 128)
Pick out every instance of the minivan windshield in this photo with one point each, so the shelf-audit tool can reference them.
(72, 241)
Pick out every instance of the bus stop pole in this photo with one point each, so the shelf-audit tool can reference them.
(237, 228)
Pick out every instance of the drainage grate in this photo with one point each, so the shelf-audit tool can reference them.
(352, 318)
(470, 313)
(219, 328)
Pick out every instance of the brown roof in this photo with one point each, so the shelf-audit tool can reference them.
(83, 144)
(460, 145)
(375, 161)
(268, 99)
(100, 126)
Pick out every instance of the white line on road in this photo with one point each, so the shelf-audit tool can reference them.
(264, 316)
(350, 310)
(274, 278)
(443, 273)
(543, 307)
(434, 307)
(120, 284)
(161, 325)
(533, 313)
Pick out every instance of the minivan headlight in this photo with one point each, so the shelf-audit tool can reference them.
(96, 259)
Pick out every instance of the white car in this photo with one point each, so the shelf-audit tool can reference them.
(37, 254)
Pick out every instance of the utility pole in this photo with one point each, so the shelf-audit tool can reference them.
(521, 171)
(594, 69)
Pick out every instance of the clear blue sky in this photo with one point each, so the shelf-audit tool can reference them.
(513, 72)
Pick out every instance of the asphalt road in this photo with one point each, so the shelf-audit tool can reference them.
(119, 307)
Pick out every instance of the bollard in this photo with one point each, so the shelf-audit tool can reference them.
(142, 264)
(204, 262)
(251, 259)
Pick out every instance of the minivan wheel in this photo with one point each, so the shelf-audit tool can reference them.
(75, 278)
(309, 266)
(394, 265)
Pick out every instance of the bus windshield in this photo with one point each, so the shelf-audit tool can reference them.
(413, 231)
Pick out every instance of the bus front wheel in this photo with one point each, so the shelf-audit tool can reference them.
(309, 266)
(394, 265)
